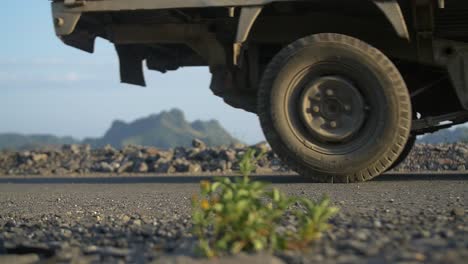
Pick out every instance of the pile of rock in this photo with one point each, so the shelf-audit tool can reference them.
(81, 159)
(436, 157)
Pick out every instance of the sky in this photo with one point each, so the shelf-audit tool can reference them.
(47, 87)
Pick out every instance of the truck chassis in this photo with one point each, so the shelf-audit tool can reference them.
(342, 87)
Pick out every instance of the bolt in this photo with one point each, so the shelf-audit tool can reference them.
(333, 124)
(316, 109)
(329, 92)
(347, 107)
(58, 21)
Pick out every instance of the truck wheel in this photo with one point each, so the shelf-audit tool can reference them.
(334, 108)
(406, 151)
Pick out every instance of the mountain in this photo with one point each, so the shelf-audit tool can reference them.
(459, 134)
(165, 130)
(19, 141)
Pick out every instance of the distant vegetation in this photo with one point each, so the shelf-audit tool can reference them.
(18, 141)
(165, 130)
(459, 134)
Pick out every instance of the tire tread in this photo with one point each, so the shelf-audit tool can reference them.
(266, 116)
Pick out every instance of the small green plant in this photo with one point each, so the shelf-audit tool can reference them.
(244, 215)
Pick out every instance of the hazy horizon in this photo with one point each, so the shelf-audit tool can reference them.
(47, 87)
(110, 126)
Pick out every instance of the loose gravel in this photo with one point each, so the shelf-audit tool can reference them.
(395, 219)
(82, 160)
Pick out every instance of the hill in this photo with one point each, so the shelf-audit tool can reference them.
(165, 130)
(18, 141)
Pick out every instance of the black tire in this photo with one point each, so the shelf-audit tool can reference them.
(386, 108)
(404, 154)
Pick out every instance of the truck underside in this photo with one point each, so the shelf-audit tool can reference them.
(425, 39)
(200, 33)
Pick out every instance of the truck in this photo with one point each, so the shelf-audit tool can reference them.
(342, 88)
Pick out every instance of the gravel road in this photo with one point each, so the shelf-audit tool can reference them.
(396, 218)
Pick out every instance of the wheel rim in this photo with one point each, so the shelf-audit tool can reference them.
(332, 109)
(357, 83)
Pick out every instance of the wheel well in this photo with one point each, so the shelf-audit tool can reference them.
(282, 23)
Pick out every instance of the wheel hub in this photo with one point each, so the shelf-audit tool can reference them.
(332, 109)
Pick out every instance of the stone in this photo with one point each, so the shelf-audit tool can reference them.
(73, 148)
(166, 155)
(262, 147)
(164, 167)
(181, 165)
(105, 167)
(24, 154)
(197, 143)
(86, 148)
(40, 157)
(20, 259)
(71, 165)
(66, 233)
(359, 247)
(109, 150)
(194, 168)
(204, 155)
(141, 167)
(229, 155)
(236, 259)
(125, 218)
(238, 146)
(458, 211)
(115, 165)
(136, 222)
(82, 159)
(361, 235)
(377, 224)
(115, 252)
(30, 249)
(126, 166)
(151, 151)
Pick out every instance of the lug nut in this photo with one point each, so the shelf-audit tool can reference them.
(347, 107)
(316, 109)
(333, 124)
(329, 92)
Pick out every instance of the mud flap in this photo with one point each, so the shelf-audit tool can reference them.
(131, 64)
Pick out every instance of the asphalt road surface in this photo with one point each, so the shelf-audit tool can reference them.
(397, 218)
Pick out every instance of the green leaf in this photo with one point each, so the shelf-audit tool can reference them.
(237, 247)
(243, 215)
(258, 245)
(215, 186)
(276, 195)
